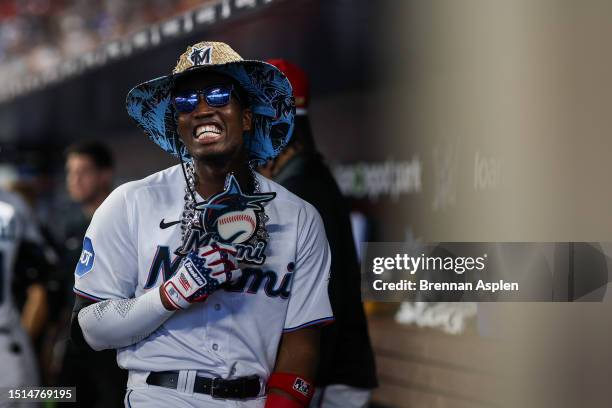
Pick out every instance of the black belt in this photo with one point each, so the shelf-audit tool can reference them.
(240, 388)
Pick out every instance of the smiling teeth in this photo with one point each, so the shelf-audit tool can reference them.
(200, 130)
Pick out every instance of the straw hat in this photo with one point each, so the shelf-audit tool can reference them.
(268, 91)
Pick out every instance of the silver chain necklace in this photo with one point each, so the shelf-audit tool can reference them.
(189, 217)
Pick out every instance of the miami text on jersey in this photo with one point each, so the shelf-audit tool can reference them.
(252, 279)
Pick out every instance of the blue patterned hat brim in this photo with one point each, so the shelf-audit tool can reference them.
(270, 99)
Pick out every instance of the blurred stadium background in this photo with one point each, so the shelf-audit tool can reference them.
(442, 121)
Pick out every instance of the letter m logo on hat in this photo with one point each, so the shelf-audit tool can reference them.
(200, 56)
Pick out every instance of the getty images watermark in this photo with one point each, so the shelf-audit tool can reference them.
(454, 272)
(422, 263)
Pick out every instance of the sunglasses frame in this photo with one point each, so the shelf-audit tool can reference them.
(206, 92)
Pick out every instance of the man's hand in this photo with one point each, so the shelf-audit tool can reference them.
(201, 273)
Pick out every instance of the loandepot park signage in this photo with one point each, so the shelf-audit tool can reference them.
(394, 178)
(150, 37)
(379, 179)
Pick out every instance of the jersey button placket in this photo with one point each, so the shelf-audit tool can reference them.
(215, 346)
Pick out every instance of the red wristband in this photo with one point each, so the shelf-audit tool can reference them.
(299, 388)
(280, 401)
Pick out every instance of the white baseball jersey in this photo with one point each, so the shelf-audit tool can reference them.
(129, 249)
(16, 225)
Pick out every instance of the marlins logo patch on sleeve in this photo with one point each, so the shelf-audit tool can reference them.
(87, 258)
(301, 386)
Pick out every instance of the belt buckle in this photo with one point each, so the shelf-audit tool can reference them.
(213, 387)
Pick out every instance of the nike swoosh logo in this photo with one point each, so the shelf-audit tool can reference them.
(164, 225)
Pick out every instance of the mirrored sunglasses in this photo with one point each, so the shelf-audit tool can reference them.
(215, 96)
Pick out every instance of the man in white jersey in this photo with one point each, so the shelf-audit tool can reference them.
(209, 279)
(20, 251)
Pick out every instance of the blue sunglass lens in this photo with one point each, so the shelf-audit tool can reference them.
(186, 103)
(218, 96)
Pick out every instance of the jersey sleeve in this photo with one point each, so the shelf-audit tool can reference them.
(309, 301)
(108, 265)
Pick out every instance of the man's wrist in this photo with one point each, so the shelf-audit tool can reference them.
(288, 390)
(278, 400)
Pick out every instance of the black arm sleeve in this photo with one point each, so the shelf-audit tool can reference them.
(76, 334)
(31, 266)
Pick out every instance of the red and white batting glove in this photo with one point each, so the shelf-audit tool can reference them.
(201, 273)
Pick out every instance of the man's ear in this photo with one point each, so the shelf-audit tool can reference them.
(247, 120)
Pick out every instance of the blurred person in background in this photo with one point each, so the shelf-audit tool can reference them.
(89, 175)
(23, 268)
(35, 288)
(89, 180)
(346, 373)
